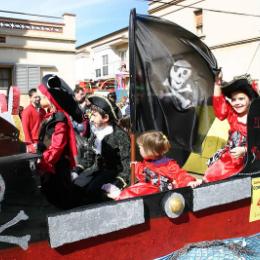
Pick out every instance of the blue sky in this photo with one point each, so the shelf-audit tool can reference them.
(95, 18)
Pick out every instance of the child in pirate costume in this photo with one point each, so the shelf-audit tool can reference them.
(229, 160)
(57, 144)
(111, 157)
(156, 172)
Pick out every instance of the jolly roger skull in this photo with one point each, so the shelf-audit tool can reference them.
(179, 74)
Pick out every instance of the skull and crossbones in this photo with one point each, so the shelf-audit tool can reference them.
(180, 73)
(20, 241)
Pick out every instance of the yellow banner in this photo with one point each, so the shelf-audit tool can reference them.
(255, 202)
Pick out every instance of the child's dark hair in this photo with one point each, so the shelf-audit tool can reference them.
(103, 106)
(125, 124)
(32, 91)
(99, 110)
(154, 142)
(78, 89)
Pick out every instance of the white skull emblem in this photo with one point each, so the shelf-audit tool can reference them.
(179, 74)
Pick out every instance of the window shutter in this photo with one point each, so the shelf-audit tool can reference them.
(33, 77)
(27, 77)
(22, 78)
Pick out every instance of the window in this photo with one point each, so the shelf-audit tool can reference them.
(27, 77)
(105, 59)
(98, 73)
(199, 22)
(105, 70)
(5, 78)
(2, 39)
(122, 55)
(105, 65)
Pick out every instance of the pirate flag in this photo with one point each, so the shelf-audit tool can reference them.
(171, 81)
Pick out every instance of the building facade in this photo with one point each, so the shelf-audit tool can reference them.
(100, 62)
(230, 28)
(30, 49)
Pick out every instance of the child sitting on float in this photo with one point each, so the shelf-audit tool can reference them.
(156, 172)
(231, 101)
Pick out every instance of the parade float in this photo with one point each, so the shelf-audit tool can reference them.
(145, 227)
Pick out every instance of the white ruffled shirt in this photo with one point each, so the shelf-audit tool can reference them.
(100, 134)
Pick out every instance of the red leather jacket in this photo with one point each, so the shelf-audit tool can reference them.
(161, 175)
(62, 137)
(222, 164)
(56, 149)
(223, 110)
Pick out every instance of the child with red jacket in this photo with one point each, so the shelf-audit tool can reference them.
(231, 101)
(156, 172)
(57, 144)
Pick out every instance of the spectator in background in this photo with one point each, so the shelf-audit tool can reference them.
(32, 116)
(20, 111)
(125, 124)
(79, 95)
(126, 108)
(112, 98)
(81, 129)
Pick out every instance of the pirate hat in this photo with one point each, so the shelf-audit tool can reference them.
(241, 84)
(61, 95)
(103, 104)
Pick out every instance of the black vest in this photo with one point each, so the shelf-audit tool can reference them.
(47, 129)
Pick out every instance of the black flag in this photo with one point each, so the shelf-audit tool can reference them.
(171, 81)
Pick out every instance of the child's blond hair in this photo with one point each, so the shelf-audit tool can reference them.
(154, 143)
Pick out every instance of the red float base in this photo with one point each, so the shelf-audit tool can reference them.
(157, 237)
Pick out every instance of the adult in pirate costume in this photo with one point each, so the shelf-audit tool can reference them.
(111, 146)
(231, 101)
(57, 143)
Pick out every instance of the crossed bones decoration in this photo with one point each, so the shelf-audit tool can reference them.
(20, 241)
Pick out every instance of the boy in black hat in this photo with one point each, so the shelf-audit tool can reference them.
(111, 160)
(231, 101)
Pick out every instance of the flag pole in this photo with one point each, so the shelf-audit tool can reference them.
(132, 68)
(132, 158)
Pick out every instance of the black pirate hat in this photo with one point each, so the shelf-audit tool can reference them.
(241, 83)
(61, 95)
(104, 105)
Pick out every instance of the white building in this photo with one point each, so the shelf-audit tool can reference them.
(230, 28)
(101, 59)
(30, 49)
